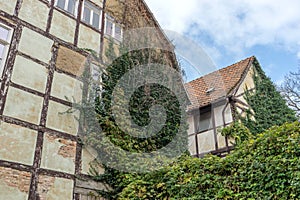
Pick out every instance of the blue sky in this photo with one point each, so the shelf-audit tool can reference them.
(232, 30)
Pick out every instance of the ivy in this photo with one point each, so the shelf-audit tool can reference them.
(143, 98)
(265, 167)
(236, 131)
(267, 106)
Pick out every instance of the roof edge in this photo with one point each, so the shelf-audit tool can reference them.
(251, 57)
(239, 83)
(157, 24)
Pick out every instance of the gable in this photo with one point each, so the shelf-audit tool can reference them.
(217, 85)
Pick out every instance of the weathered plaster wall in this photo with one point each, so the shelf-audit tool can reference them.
(248, 82)
(60, 119)
(29, 74)
(8, 6)
(206, 141)
(63, 27)
(89, 159)
(88, 38)
(41, 156)
(23, 105)
(50, 188)
(223, 117)
(70, 90)
(14, 184)
(58, 154)
(17, 143)
(35, 45)
(41, 11)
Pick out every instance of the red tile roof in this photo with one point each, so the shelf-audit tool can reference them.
(221, 82)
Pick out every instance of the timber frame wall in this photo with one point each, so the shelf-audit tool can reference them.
(29, 102)
(223, 112)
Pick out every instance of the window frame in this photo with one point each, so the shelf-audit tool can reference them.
(93, 10)
(204, 121)
(6, 43)
(118, 37)
(96, 78)
(111, 20)
(66, 7)
(113, 32)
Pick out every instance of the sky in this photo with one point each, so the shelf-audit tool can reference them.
(232, 30)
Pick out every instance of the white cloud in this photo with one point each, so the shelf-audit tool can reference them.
(298, 55)
(173, 15)
(236, 24)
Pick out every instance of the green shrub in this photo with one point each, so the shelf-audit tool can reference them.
(236, 131)
(267, 167)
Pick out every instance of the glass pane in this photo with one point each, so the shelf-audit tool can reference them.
(61, 4)
(95, 72)
(2, 47)
(205, 122)
(109, 27)
(86, 15)
(118, 32)
(1, 50)
(4, 33)
(71, 6)
(96, 19)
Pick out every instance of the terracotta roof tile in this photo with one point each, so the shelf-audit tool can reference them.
(221, 82)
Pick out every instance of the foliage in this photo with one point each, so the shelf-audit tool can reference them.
(110, 51)
(267, 106)
(267, 167)
(143, 98)
(236, 131)
(290, 89)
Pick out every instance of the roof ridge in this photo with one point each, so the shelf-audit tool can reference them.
(248, 58)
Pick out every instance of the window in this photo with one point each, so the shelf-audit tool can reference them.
(96, 80)
(5, 38)
(91, 15)
(113, 29)
(67, 5)
(109, 28)
(95, 72)
(118, 32)
(203, 122)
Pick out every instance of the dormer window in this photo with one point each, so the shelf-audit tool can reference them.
(210, 90)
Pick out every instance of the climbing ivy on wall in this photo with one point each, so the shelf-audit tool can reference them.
(267, 106)
(143, 98)
(140, 103)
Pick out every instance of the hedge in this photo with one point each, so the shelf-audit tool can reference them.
(264, 167)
